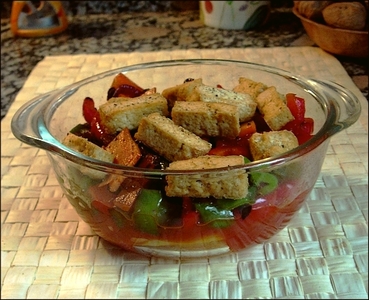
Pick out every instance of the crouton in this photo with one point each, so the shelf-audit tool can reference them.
(119, 113)
(231, 184)
(271, 143)
(246, 105)
(85, 147)
(273, 108)
(207, 119)
(170, 140)
(181, 92)
(248, 86)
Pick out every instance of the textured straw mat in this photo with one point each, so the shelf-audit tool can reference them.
(47, 251)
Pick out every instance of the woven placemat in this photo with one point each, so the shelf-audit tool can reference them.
(48, 252)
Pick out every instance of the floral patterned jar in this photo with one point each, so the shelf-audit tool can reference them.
(237, 15)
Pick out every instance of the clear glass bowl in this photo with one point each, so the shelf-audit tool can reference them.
(157, 225)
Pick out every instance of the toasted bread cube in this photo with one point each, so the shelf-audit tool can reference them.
(119, 113)
(248, 86)
(232, 184)
(273, 108)
(271, 143)
(170, 140)
(207, 119)
(85, 147)
(246, 105)
(181, 92)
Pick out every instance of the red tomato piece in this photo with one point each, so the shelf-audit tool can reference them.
(103, 198)
(187, 204)
(190, 219)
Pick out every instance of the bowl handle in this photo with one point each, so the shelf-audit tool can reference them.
(346, 104)
(28, 119)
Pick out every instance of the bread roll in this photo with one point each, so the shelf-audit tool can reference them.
(345, 15)
(312, 9)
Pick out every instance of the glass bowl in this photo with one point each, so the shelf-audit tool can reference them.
(163, 226)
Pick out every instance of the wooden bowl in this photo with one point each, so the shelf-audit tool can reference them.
(338, 41)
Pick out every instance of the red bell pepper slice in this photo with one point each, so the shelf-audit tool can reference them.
(92, 117)
(126, 90)
(89, 110)
(307, 125)
(247, 129)
(229, 150)
(226, 146)
(122, 86)
(302, 127)
(296, 106)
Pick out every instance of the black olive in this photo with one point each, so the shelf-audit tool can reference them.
(111, 92)
(245, 211)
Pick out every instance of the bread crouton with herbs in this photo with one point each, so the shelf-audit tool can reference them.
(82, 145)
(171, 141)
(249, 86)
(245, 104)
(273, 108)
(229, 184)
(119, 113)
(181, 92)
(207, 118)
(271, 143)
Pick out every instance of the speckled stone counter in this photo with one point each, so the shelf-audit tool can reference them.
(148, 31)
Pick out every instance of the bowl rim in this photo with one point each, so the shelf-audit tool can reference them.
(55, 98)
(336, 29)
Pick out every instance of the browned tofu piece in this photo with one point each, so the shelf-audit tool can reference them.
(181, 92)
(246, 105)
(126, 152)
(125, 149)
(170, 140)
(207, 119)
(231, 184)
(273, 108)
(119, 113)
(249, 86)
(267, 144)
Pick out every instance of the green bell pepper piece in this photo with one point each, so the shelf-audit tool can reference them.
(219, 212)
(148, 211)
(265, 182)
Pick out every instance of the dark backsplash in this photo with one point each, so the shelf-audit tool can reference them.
(101, 7)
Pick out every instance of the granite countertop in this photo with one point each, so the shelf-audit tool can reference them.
(148, 31)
